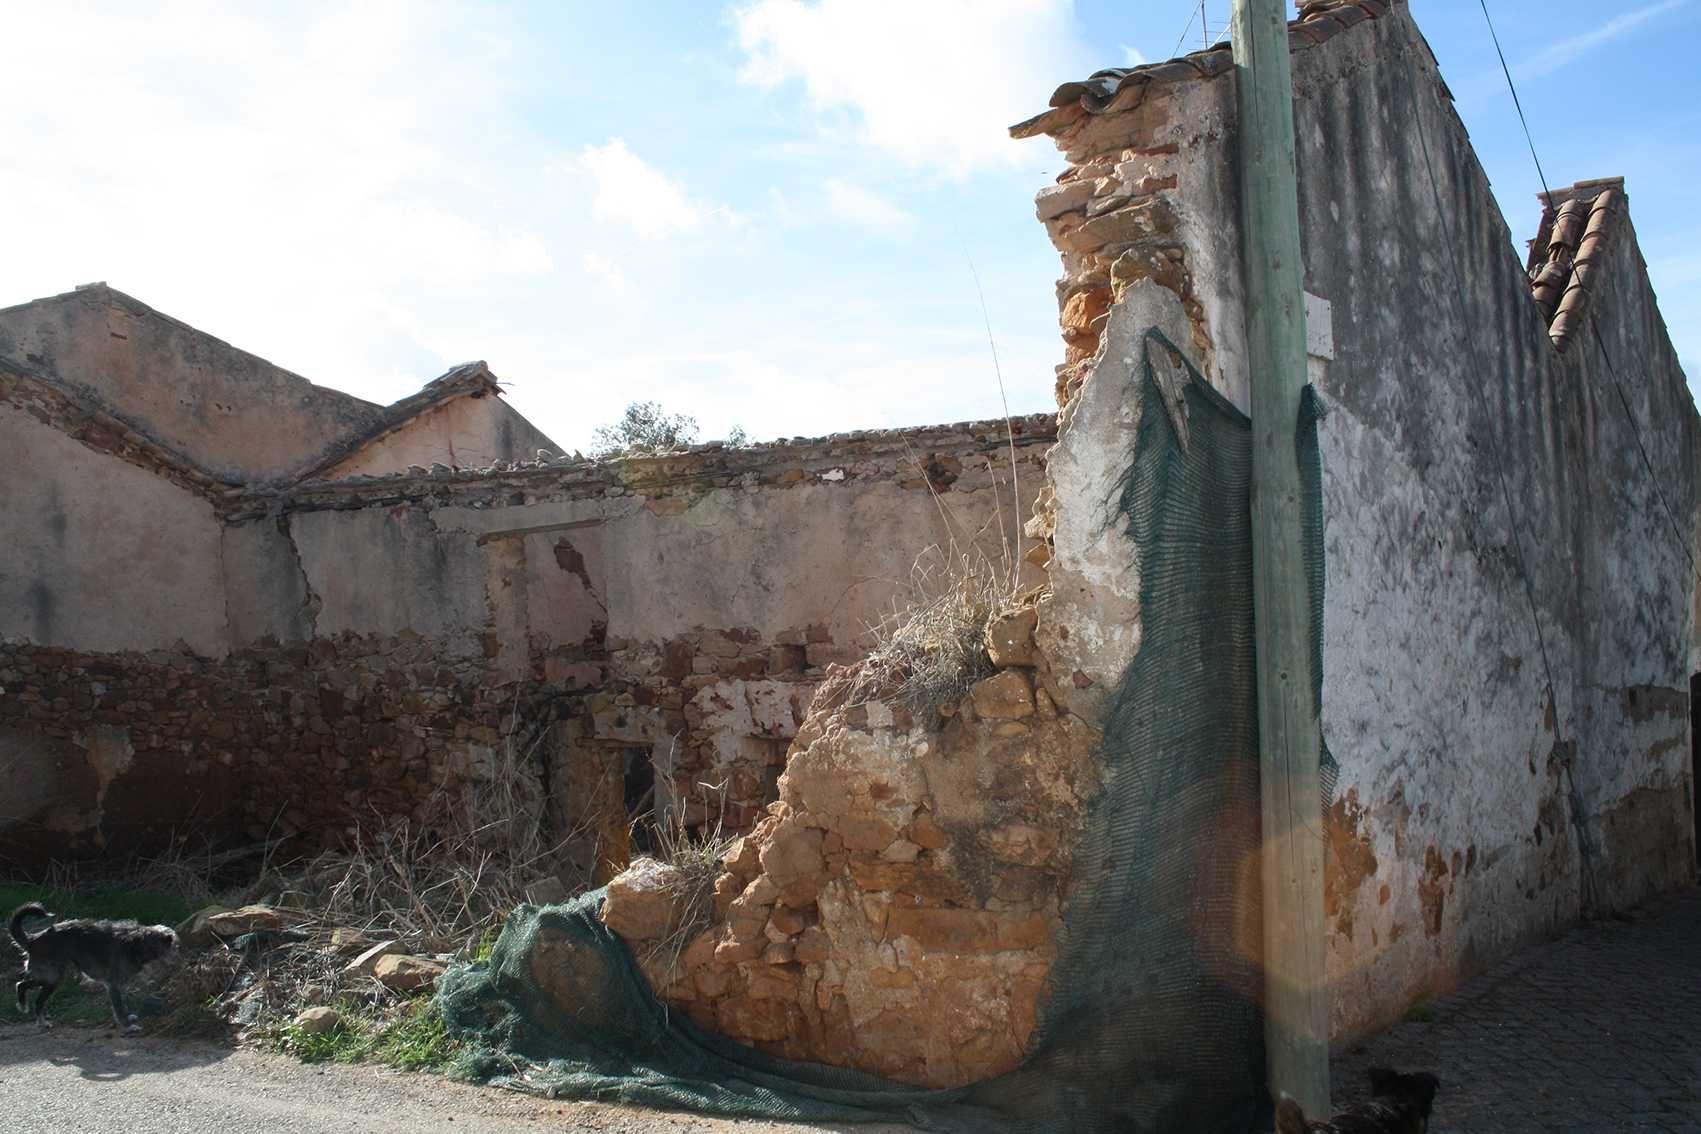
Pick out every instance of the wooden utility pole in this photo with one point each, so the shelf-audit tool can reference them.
(1296, 1027)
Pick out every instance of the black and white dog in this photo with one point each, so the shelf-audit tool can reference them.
(111, 952)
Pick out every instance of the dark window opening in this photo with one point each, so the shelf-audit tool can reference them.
(640, 790)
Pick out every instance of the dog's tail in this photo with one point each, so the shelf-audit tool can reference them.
(1290, 1117)
(22, 914)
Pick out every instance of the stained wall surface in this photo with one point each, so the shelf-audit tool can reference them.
(105, 560)
(1492, 532)
(1508, 631)
(100, 554)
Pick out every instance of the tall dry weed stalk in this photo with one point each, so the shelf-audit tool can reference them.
(931, 647)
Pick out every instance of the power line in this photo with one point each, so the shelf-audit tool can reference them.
(1507, 71)
(1199, 13)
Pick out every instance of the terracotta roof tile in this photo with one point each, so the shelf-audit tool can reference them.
(1565, 255)
(1319, 20)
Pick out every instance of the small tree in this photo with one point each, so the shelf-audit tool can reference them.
(644, 428)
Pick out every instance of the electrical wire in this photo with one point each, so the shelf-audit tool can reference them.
(1507, 71)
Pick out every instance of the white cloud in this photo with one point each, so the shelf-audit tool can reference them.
(1133, 57)
(311, 183)
(632, 192)
(934, 84)
(867, 209)
(1560, 54)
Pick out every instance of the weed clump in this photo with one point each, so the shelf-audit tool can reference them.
(695, 856)
(929, 652)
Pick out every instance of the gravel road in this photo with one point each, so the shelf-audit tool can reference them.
(82, 1081)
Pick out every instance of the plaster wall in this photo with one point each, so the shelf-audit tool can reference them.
(468, 432)
(1490, 527)
(823, 549)
(384, 571)
(227, 411)
(98, 554)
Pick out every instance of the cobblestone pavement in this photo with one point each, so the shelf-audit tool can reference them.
(1599, 1030)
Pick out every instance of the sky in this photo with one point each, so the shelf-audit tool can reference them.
(792, 216)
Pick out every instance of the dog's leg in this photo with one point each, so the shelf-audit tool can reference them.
(124, 1021)
(45, 990)
(24, 987)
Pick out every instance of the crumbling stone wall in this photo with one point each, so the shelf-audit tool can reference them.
(299, 742)
(896, 909)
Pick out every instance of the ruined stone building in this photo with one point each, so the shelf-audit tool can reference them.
(240, 605)
(247, 638)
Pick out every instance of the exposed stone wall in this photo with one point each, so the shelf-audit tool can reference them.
(119, 751)
(1475, 811)
(897, 909)
(901, 906)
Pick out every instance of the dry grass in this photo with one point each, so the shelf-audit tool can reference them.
(931, 649)
(441, 887)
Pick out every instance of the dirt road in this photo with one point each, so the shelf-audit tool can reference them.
(78, 1081)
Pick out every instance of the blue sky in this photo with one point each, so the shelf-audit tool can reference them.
(768, 213)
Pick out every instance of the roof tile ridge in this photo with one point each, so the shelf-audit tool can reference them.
(1604, 209)
(1318, 21)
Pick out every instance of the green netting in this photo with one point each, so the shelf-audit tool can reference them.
(1154, 1021)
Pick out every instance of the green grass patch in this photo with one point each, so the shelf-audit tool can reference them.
(417, 1039)
(410, 1037)
(1422, 1011)
(349, 1042)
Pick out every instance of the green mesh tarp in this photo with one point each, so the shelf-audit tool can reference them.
(1154, 1021)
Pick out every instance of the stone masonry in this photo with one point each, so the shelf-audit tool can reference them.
(896, 909)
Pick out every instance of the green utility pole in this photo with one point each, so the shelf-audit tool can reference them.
(1296, 1028)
